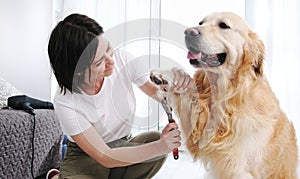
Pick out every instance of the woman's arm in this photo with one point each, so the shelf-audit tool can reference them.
(92, 143)
(150, 89)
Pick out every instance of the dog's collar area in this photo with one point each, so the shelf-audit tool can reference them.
(201, 59)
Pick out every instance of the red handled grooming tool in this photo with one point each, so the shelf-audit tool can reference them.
(168, 110)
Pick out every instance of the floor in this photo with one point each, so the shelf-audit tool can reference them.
(185, 168)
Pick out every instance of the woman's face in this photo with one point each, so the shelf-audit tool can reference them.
(102, 65)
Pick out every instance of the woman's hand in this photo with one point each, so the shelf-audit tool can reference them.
(170, 138)
(182, 80)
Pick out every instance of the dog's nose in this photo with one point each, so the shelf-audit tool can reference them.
(192, 31)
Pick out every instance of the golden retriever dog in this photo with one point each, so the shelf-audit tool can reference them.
(230, 118)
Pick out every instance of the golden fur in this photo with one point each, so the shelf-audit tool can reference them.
(231, 118)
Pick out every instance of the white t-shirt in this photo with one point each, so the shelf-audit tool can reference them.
(112, 110)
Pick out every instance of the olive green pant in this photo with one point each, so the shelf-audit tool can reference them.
(78, 165)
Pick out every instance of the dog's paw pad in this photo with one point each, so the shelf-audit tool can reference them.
(163, 77)
(158, 79)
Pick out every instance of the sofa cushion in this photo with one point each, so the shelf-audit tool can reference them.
(6, 90)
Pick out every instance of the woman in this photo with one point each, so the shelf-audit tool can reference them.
(95, 105)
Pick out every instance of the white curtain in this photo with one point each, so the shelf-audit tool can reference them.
(278, 24)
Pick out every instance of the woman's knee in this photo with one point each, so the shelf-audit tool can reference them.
(146, 137)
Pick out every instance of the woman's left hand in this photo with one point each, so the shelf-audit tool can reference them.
(182, 80)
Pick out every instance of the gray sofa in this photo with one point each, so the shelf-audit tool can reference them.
(16, 138)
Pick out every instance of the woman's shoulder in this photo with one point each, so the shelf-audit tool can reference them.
(123, 55)
(67, 98)
(62, 97)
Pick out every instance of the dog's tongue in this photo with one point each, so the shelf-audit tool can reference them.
(193, 56)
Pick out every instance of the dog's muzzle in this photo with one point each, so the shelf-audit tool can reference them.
(197, 57)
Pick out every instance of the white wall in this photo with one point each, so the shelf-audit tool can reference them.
(25, 26)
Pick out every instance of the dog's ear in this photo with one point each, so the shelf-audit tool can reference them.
(254, 51)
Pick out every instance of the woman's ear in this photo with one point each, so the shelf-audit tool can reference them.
(254, 53)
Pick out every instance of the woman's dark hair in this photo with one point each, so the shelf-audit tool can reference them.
(67, 49)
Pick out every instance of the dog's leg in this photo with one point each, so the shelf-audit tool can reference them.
(184, 104)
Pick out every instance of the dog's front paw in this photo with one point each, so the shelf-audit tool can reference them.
(163, 79)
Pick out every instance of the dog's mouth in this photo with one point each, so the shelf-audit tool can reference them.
(210, 60)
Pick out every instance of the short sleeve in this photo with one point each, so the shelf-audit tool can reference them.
(72, 121)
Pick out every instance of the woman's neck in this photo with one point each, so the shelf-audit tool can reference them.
(93, 89)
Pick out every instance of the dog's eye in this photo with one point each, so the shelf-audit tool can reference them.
(223, 25)
(200, 23)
